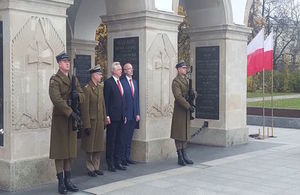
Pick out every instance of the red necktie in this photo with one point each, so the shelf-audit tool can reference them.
(132, 92)
(119, 86)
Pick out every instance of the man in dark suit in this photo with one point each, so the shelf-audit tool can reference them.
(132, 111)
(115, 112)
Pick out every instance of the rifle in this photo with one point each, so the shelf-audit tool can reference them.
(191, 94)
(205, 125)
(74, 104)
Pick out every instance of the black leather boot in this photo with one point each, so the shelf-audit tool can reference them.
(61, 185)
(186, 158)
(180, 158)
(69, 185)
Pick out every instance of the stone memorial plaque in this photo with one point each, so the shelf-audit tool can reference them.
(207, 82)
(82, 65)
(1, 83)
(127, 50)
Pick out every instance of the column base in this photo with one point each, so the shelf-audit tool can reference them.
(153, 150)
(221, 137)
(24, 174)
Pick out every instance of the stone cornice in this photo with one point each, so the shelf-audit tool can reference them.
(84, 44)
(48, 7)
(143, 19)
(234, 32)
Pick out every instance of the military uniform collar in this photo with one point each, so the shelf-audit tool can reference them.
(64, 78)
(93, 86)
(183, 78)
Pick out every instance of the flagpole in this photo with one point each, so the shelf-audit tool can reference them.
(272, 102)
(263, 102)
(263, 89)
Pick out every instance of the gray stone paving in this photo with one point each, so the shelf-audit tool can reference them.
(269, 166)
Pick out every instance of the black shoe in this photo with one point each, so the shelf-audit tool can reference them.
(92, 174)
(120, 167)
(180, 158)
(186, 158)
(61, 185)
(131, 162)
(99, 172)
(111, 168)
(124, 163)
(69, 185)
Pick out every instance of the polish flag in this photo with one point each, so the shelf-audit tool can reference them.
(255, 54)
(268, 52)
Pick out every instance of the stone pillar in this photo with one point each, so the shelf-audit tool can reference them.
(157, 45)
(34, 32)
(230, 128)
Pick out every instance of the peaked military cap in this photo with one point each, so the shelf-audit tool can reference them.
(62, 56)
(95, 69)
(181, 64)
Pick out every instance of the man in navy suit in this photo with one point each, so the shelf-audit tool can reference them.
(132, 111)
(115, 111)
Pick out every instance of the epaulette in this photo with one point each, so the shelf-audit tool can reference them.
(53, 78)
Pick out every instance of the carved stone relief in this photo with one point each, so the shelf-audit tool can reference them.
(161, 58)
(33, 63)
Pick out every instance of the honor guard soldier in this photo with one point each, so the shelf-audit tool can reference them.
(63, 143)
(94, 121)
(181, 116)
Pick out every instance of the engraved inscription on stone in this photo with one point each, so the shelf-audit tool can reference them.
(82, 65)
(34, 49)
(127, 50)
(207, 82)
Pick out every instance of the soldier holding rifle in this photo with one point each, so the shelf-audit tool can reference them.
(181, 115)
(63, 143)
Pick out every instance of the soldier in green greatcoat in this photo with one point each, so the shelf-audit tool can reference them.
(63, 143)
(180, 128)
(94, 119)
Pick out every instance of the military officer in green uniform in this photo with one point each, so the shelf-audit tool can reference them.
(63, 143)
(94, 118)
(181, 115)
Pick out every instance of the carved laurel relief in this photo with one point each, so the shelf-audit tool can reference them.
(161, 59)
(33, 62)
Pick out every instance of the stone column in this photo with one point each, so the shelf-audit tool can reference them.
(34, 33)
(157, 45)
(230, 128)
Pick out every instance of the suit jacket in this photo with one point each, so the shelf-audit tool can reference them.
(114, 101)
(132, 102)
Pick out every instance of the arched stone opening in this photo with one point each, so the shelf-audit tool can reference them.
(82, 23)
(217, 31)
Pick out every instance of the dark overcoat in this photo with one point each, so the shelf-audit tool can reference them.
(94, 117)
(181, 115)
(63, 141)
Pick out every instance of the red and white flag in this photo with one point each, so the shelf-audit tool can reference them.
(255, 54)
(268, 52)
